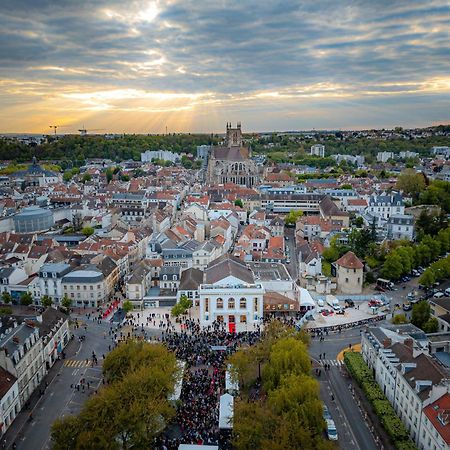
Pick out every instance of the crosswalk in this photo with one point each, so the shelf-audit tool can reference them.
(331, 362)
(76, 363)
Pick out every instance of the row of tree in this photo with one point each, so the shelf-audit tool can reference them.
(288, 413)
(131, 410)
(407, 256)
(118, 148)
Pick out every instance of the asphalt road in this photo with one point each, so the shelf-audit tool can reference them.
(353, 431)
(59, 398)
(292, 267)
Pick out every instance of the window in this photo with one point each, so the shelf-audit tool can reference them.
(243, 319)
(243, 303)
(346, 280)
(255, 304)
(206, 304)
(219, 303)
(231, 303)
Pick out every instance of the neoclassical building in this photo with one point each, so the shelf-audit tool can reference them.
(231, 163)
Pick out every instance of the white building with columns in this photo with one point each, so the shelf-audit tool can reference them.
(230, 295)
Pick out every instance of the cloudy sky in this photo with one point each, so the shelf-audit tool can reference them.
(192, 65)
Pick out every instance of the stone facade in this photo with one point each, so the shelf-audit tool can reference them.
(231, 163)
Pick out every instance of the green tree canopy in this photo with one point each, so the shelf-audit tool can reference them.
(421, 313)
(127, 306)
(26, 299)
(46, 301)
(293, 216)
(6, 297)
(88, 231)
(411, 183)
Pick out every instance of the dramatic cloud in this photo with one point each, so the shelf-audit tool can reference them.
(139, 66)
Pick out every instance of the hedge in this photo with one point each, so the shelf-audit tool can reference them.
(383, 409)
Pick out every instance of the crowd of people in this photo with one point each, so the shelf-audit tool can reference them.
(197, 418)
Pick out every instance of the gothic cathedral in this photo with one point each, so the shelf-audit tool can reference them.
(231, 162)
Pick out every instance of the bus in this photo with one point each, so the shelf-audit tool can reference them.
(384, 285)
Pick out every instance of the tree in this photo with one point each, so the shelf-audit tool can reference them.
(182, 306)
(421, 313)
(46, 301)
(428, 278)
(392, 267)
(67, 176)
(399, 319)
(431, 325)
(359, 221)
(132, 410)
(109, 174)
(238, 202)
(86, 178)
(127, 306)
(6, 297)
(87, 231)
(26, 299)
(66, 302)
(292, 217)
(411, 183)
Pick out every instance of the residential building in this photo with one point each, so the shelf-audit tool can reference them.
(190, 282)
(317, 150)
(383, 206)
(54, 329)
(400, 226)
(165, 155)
(170, 277)
(415, 384)
(21, 354)
(9, 399)
(50, 279)
(85, 287)
(384, 157)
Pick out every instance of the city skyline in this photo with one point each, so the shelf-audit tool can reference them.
(192, 66)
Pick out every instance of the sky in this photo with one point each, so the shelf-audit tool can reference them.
(140, 66)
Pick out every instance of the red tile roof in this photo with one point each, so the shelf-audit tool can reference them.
(350, 261)
(438, 414)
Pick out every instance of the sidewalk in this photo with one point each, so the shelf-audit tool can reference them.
(13, 433)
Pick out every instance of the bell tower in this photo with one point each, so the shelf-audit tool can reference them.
(234, 135)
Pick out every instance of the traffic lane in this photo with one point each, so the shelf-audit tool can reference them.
(350, 415)
(335, 342)
(290, 243)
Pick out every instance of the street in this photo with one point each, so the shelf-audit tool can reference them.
(59, 399)
(353, 431)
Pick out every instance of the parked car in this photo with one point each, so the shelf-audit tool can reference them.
(320, 303)
(331, 430)
(326, 413)
(447, 292)
(349, 303)
(411, 295)
(407, 306)
(415, 273)
(439, 294)
(340, 311)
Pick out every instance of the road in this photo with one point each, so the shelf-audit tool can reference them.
(59, 398)
(292, 267)
(353, 431)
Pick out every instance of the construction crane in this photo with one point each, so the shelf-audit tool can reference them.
(84, 132)
(58, 126)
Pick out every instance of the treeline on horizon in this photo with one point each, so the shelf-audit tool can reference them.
(287, 149)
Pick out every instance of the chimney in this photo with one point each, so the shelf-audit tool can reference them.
(408, 342)
(387, 342)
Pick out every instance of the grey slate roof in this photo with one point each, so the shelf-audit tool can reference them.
(225, 266)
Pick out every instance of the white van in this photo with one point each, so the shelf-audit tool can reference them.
(447, 292)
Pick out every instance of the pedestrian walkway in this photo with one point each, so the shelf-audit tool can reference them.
(76, 363)
(332, 362)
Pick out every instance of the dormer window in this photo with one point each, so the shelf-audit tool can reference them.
(53, 275)
(5, 281)
(44, 274)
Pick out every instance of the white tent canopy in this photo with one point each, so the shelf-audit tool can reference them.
(179, 384)
(231, 385)
(197, 447)
(305, 298)
(226, 412)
